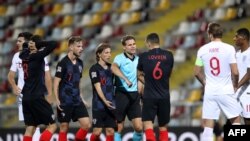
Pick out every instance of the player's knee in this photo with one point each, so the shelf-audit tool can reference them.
(64, 127)
(110, 131)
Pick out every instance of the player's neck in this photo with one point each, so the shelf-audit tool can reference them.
(72, 57)
(244, 47)
(103, 64)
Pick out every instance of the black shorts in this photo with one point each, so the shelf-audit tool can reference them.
(156, 107)
(37, 111)
(72, 113)
(103, 119)
(127, 104)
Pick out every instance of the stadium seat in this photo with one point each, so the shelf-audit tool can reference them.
(56, 9)
(11, 10)
(79, 7)
(188, 42)
(106, 31)
(194, 96)
(67, 21)
(135, 17)
(67, 8)
(217, 3)
(106, 7)
(125, 5)
(96, 20)
(19, 22)
(47, 21)
(228, 3)
(97, 6)
(66, 33)
(231, 14)
(135, 5)
(39, 31)
(180, 55)
(163, 5)
(3, 10)
(219, 14)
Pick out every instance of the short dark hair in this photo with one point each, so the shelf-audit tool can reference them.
(125, 38)
(215, 29)
(74, 39)
(244, 32)
(100, 48)
(25, 35)
(37, 39)
(153, 38)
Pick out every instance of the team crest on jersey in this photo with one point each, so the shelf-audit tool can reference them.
(94, 121)
(93, 74)
(244, 58)
(53, 116)
(80, 68)
(59, 69)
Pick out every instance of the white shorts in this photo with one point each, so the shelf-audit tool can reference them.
(214, 104)
(20, 107)
(244, 98)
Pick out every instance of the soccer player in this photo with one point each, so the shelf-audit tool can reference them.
(127, 97)
(216, 69)
(16, 66)
(103, 102)
(70, 105)
(154, 71)
(241, 40)
(36, 109)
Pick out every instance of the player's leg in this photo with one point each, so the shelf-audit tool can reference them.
(64, 118)
(245, 104)
(110, 134)
(163, 115)
(95, 136)
(122, 103)
(37, 134)
(110, 125)
(134, 114)
(81, 114)
(44, 114)
(231, 108)
(29, 121)
(148, 116)
(210, 112)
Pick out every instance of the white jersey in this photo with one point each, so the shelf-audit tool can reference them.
(16, 66)
(243, 62)
(216, 57)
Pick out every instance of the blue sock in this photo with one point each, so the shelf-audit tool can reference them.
(117, 136)
(137, 136)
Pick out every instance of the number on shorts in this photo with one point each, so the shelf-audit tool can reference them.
(157, 72)
(215, 66)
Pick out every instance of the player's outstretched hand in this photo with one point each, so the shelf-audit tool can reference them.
(58, 103)
(129, 83)
(109, 104)
(17, 90)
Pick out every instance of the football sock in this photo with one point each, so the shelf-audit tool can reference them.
(81, 135)
(62, 136)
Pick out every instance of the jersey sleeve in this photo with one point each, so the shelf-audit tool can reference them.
(13, 66)
(140, 66)
(117, 60)
(198, 61)
(94, 75)
(60, 70)
(232, 56)
(46, 67)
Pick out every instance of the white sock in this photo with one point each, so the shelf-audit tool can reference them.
(36, 135)
(207, 134)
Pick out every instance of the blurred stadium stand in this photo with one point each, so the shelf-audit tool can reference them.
(181, 25)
